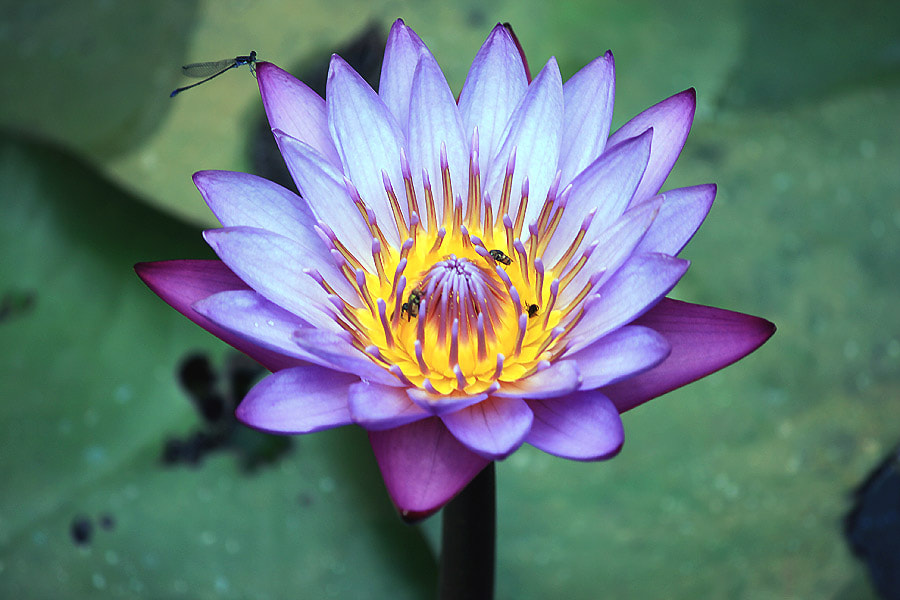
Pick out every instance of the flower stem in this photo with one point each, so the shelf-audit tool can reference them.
(468, 539)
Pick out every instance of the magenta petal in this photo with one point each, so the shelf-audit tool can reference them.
(295, 109)
(378, 407)
(589, 97)
(493, 428)
(680, 215)
(423, 466)
(181, 283)
(299, 400)
(623, 353)
(583, 426)
(558, 379)
(401, 54)
(671, 121)
(703, 340)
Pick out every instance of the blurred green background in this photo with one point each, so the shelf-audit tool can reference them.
(734, 487)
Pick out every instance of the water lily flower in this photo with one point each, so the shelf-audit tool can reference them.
(458, 277)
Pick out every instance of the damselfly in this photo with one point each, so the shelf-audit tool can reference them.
(213, 69)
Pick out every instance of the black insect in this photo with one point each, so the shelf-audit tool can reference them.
(500, 257)
(532, 310)
(411, 306)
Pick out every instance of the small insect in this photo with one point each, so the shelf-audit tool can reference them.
(500, 257)
(213, 69)
(411, 306)
(532, 310)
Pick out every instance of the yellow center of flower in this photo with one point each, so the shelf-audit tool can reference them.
(463, 306)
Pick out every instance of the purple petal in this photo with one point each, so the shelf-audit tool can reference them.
(623, 353)
(378, 407)
(493, 428)
(494, 86)
(433, 119)
(295, 109)
(680, 215)
(605, 187)
(244, 199)
(671, 121)
(535, 131)
(269, 263)
(368, 140)
(323, 188)
(401, 54)
(336, 351)
(703, 340)
(558, 379)
(442, 405)
(423, 466)
(181, 283)
(589, 96)
(299, 400)
(637, 286)
(583, 426)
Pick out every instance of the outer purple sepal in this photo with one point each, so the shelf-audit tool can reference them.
(703, 340)
(423, 466)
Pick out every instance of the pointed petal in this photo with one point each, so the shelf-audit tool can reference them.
(368, 140)
(671, 121)
(623, 353)
(636, 287)
(703, 340)
(535, 131)
(558, 379)
(299, 400)
(181, 283)
(401, 54)
(294, 108)
(423, 466)
(269, 263)
(243, 199)
(378, 407)
(680, 215)
(589, 97)
(434, 119)
(583, 426)
(494, 86)
(336, 351)
(494, 428)
(605, 187)
(322, 187)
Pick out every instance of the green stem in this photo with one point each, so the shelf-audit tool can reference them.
(468, 540)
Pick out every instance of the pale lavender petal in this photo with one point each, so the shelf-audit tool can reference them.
(703, 340)
(494, 86)
(671, 121)
(423, 466)
(336, 351)
(249, 315)
(368, 140)
(379, 407)
(243, 199)
(535, 131)
(614, 247)
(582, 426)
(181, 283)
(680, 215)
(605, 187)
(636, 287)
(558, 379)
(493, 428)
(269, 263)
(589, 96)
(434, 119)
(322, 187)
(295, 109)
(299, 400)
(401, 54)
(623, 353)
(441, 405)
